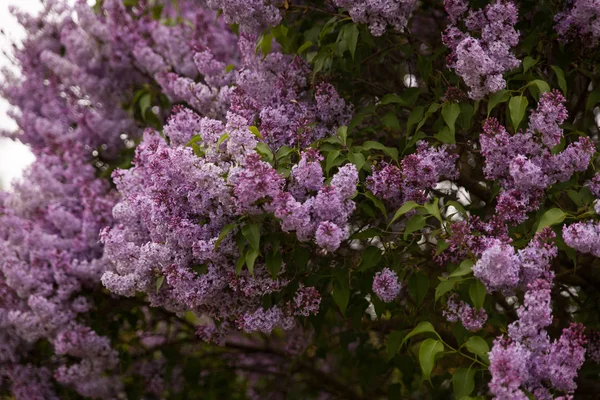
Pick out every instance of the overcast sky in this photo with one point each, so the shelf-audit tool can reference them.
(13, 156)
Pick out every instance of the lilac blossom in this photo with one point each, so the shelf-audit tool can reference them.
(482, 61)
(379, 14)
(386, 285)
(471, 319)
(579, 21)
(418, 173)
(498, 267)
(524, 163)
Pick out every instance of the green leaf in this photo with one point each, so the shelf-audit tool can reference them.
(222, 138)
(224, 232)
(390, 120)
(444, 287)
(497, 98)
(370, 257)
(351, 37)
(423, 327)
(240, 264)
(479, 346)
(477, 293)
(255, 131)
(415, 223)
(342, 132)
(252, 233)
(358, 159)
(394, 340)
(366, 234)
(415, 116)
(341, 295)
(265, 42)
(432, 109)
(428, 351)
(418, 285)
(145, 103)
(466, 111)
(378, 203)
(551, 217)
(407, 98)
(528, 62)
(445, 135)
(304, 47)
(517, 107)
(331, 156)
(273, 261)
(284, 151)
(463, 380)
(264, 151)
(592, 100)
(159, 282)
(464, 268)
(541, 85)
(450, 112)
(389, 151)
(560, 76)
(434, 209)
(251, 257)
(406, 207)
(441, 246)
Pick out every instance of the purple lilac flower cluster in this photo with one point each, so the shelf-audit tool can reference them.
(170, 189)
(50, 258)
(482, 60)
(580, 20)
(379, 14)
(74, 66)
(386, 285)
(528, 358)
(87, 59)
(271, 92)
(418, 173)
(253, 16)
(500, 268)
(524, 163)
(471, 319)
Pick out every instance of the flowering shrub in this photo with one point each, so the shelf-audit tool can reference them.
(321, 199)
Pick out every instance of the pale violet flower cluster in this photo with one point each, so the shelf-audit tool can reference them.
(528, 359)
(483, 59)
(386, 285)
(501, 268)
(379, 14)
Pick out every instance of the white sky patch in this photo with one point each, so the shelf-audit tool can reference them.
(14, 156)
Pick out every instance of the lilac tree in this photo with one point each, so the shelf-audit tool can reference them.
(321, 199)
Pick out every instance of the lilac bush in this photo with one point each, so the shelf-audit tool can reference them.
(322, 199)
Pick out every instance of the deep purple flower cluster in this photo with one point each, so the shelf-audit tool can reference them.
(580, 20)
(482, 61)
(524, 163)
(379, 14)
(471, 319)
(418, 173)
